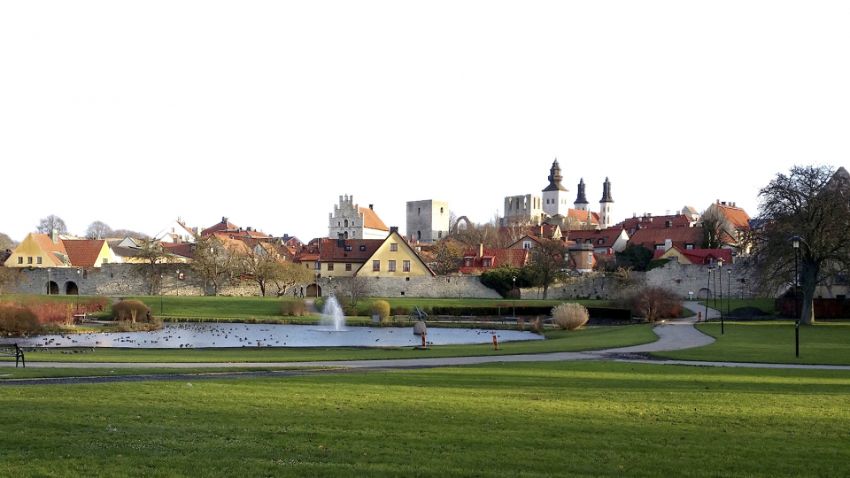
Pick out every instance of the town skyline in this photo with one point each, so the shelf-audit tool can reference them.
(267, 114)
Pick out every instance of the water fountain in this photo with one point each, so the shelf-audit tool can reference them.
(332, 316)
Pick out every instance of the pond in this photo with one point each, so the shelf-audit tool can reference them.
(204, 335)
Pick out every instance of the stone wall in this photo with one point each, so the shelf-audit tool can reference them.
(118, 280)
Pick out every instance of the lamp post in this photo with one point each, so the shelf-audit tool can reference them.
(514, 301)
(48, 281)
(178, 282)
(77, 298)
(720, 274)
(729, 294)
(708, 290)
(318, 269)
(795, 243)
(161, 277)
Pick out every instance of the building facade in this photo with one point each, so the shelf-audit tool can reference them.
(350, 221)
(427, 221)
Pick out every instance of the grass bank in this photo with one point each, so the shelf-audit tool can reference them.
(524, 420)
(772, 342)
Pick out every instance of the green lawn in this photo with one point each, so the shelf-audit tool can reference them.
(31, 372)
(766, 305)
(517, 420)
(590, 338)
(773, 342)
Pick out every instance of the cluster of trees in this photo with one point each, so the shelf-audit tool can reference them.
(218, 264)
(546, 265)
(96, 230)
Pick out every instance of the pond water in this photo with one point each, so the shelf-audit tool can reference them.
(203, 335)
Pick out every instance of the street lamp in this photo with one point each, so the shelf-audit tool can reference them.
(161, 278)
(729, 294)
(708, 290)
(178, 282)
(48, 281)
(795, 243)
(318, 271)
(720, 274)
(514, 301)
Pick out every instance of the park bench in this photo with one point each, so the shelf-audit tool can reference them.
(12, 350)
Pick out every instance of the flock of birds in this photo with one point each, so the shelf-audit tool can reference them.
(195, 335)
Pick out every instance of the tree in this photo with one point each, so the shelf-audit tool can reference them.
(50, 223)
(716, 229)
(8, 276)
(262, 264)
(6, 243)
(290, 274)
(129, 233)
(634, 257)
(152, 253)
(448, 257)
(98, 230)
(546, 263)
(354, 289)
(811, 202)
(214, 262)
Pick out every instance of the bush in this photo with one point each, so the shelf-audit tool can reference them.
(293, 308)
(653, 303)
(570, 316)
(131, 311)
(17, 321)
(402, 310)
(381, 308)
(52, 313)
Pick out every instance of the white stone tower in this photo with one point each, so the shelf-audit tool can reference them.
(555, 195)
(605, 205)
(428, 220)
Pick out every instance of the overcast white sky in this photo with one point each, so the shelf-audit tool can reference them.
(135, 113)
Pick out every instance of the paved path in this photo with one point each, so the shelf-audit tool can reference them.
(672, 335)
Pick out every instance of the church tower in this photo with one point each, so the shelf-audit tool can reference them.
(581, 200)
(555, 194)
(605, 205)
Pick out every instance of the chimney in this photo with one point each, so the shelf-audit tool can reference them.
(668, 224)
(223, 220)
(668, 244)
(372, 207)
(480, 250)
(393, 229)
(54, 235)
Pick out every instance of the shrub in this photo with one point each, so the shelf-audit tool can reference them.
(53, 313)
(381, 308)
(401, 310)
(16, 321)
(652, 303)
(570, 316)
(293, 308)
(131, 311)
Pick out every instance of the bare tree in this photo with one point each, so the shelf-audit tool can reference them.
(130, 233)
(154, 255)
(214, 261)
(546, 263)
(448, 257)
(6, 243)
(716, 229)
(98, 230)
(355, 288)
(290, 274)
(50, 223)
(811, 204)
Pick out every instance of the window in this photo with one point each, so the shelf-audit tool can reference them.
(20, 259)
(439, 234)
(689, 247)
(391, 266)
(486, 263)
(29, 260)
(376, 266)
(348, 267)
(600, 241)
(659, 247)
(393, 247)
(330, 266)
(347, 248)
(307, 265)
(362, 248)
(467, 262)
(104, 261)
(405, 266)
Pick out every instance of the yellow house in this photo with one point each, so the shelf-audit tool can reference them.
(43, 250)
(394, 258)
(38, 251)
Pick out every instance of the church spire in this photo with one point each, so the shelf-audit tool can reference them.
(606, 191)
(581, 200)
(555, 178)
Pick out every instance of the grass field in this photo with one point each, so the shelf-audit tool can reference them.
(766, 305)
(590, 338)
(24, 373)
(773, 342)
(517, 420)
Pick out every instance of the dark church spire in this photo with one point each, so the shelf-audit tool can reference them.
(555, 178)
(606, 191)
(582, 197)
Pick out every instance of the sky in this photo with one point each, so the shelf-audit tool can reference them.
(136, 113)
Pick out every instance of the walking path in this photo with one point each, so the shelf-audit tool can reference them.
(672, 335)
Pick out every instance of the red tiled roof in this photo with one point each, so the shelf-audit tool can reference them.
(334, 250)
(182, 249)
(655, 222)
(680, 236)
(735, 215)
(84, 252)
(498, 258)
(47, 245)
(701, 256)
(371, 220)
(609, 236)
(588, 217)
(224, 225)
